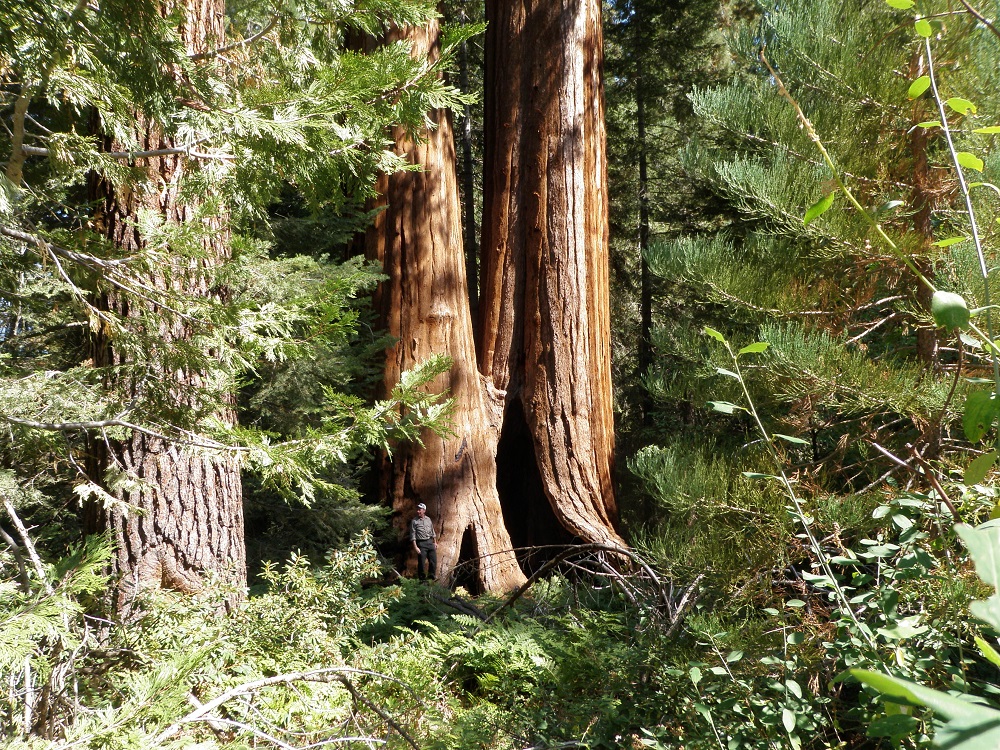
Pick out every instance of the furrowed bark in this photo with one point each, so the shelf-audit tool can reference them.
(544, 297)
(191, 515)
(425, 305)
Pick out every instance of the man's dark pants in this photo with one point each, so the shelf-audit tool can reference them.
(426, 551)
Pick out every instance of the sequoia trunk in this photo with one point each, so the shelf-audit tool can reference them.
(190, 516)
(424, 304)
(544, 296)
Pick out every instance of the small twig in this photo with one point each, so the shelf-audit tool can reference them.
(889, 455)
(688, 600)
(981, 18)
(315, 675)
(929, 472)
(236, 45)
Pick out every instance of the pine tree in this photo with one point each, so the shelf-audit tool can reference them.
(855, 367)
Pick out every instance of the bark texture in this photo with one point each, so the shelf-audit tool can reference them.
(425, 306)
(544, 294)
(191, 519)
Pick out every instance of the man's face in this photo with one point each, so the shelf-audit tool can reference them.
(420, 512)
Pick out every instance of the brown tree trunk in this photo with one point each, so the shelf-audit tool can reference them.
(645, 275)
(425, 305)
(544, 296)
(468, 185)
(190, 518)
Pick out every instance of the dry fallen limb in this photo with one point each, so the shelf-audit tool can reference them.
(582, 549)
(326, 674)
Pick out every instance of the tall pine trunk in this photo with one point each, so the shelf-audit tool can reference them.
(424, 304)
(544, 297)
(190, 519)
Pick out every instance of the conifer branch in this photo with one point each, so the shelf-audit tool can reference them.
(838, 178)
(36, 561)
(15, 549)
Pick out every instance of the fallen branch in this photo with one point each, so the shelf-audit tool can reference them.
(325, 674)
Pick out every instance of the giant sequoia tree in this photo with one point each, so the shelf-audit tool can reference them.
(534, 433)
(425, 306)
(544, 311)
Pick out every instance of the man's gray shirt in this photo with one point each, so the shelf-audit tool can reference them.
(421, 530)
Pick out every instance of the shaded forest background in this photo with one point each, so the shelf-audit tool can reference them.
(804, 436)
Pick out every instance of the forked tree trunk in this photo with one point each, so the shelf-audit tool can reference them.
(191, 515)
(544, 296)
(425, 305)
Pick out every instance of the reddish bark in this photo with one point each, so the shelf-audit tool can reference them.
(425, 306)
(544, 309)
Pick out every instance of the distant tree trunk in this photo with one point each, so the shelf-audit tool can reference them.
(425, 305)
(645, 277)
(191, 514)
(544, 296)
(468, 185)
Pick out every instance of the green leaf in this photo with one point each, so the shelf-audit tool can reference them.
(988, 651)
(794, 688)
(923, 27)
(981, 409)
(928, 124)
(695, 674)
(889, 205)
(729, 373)
(795, 638)
(901, 4)
(904, 691)
(715, 334)
(795, 603)
(984, 549)
(949, 310)
(758, 475)
(905, 628)
(969, 161)
(949, 242)
(725, 407)
(989, 130)
(755, 348)
(734, 656)
(902, 521)
(976, 471)
(818, 208)
(790, 438)
(960, 105)
(894, 726)
(919, 86)
(788, 719)
(989, 185)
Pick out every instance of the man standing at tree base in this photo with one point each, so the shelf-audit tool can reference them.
(424, 543)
